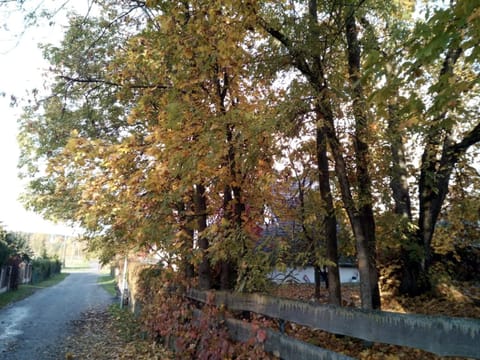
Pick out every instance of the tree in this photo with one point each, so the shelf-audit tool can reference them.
(19, 245)
(137, 179)
(14, 249)
(309, 166)
(420, 101)
(78, 131)
(13, 244)
(206, 124)
(5, 250)
(313, 216)
(164, 121)
(313, 62)
(447, 54)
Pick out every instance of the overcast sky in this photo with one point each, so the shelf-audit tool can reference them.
(21, 68)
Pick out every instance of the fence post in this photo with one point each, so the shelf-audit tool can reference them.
(124, 282)
(9, 276)
(3, 278)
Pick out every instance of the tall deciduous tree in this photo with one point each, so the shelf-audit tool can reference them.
(159, 129)
(427, 89)
(445, 48)
(166, 152)
(311, 55)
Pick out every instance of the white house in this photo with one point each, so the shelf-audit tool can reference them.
(348, 274)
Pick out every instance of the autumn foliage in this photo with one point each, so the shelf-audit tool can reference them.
(227, 138)
(196, 330)
(193, 332)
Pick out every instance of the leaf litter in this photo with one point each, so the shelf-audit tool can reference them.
(457, 299)
(106, 334)
(101, 334)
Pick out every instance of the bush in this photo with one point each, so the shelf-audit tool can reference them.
(168, 317)
(43, 269)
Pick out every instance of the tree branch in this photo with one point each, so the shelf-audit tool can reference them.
(93, 80)
(298, 58)
(470, 139)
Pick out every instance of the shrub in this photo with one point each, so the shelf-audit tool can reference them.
(168, 317)
(43, 269)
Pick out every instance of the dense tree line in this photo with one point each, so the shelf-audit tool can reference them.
(186, 127)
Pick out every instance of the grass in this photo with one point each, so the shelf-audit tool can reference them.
(80, 265)
(77, 262)
(26, 290)
(76, 266)
(108, 283)
(105, 270)
(127, 324)
(74, 269)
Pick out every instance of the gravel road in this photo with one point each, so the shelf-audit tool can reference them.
(30, 329)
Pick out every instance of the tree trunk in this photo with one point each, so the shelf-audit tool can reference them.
(330, 220)
(318, 280)
(365, 201)
(204, 272)
(186, 237)
(438, 160)
(233, 206)
(233, 209)
(311, 65)
(412, 282)
(361, 242)
(225, 267)
(398, 169)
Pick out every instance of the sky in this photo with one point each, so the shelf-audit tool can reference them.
(21, 68)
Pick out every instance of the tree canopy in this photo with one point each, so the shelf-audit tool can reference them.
(186, 128)
(13, 245)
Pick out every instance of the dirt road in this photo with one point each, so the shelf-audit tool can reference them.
(33, 328)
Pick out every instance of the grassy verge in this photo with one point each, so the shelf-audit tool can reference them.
(128, 326)
(70, 269)
(108, 283)
(27, 290)
(76, 267)
(77, 262)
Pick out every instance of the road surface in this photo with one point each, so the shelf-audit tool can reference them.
(31, 329)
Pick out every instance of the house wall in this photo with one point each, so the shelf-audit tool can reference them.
(307, 275)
